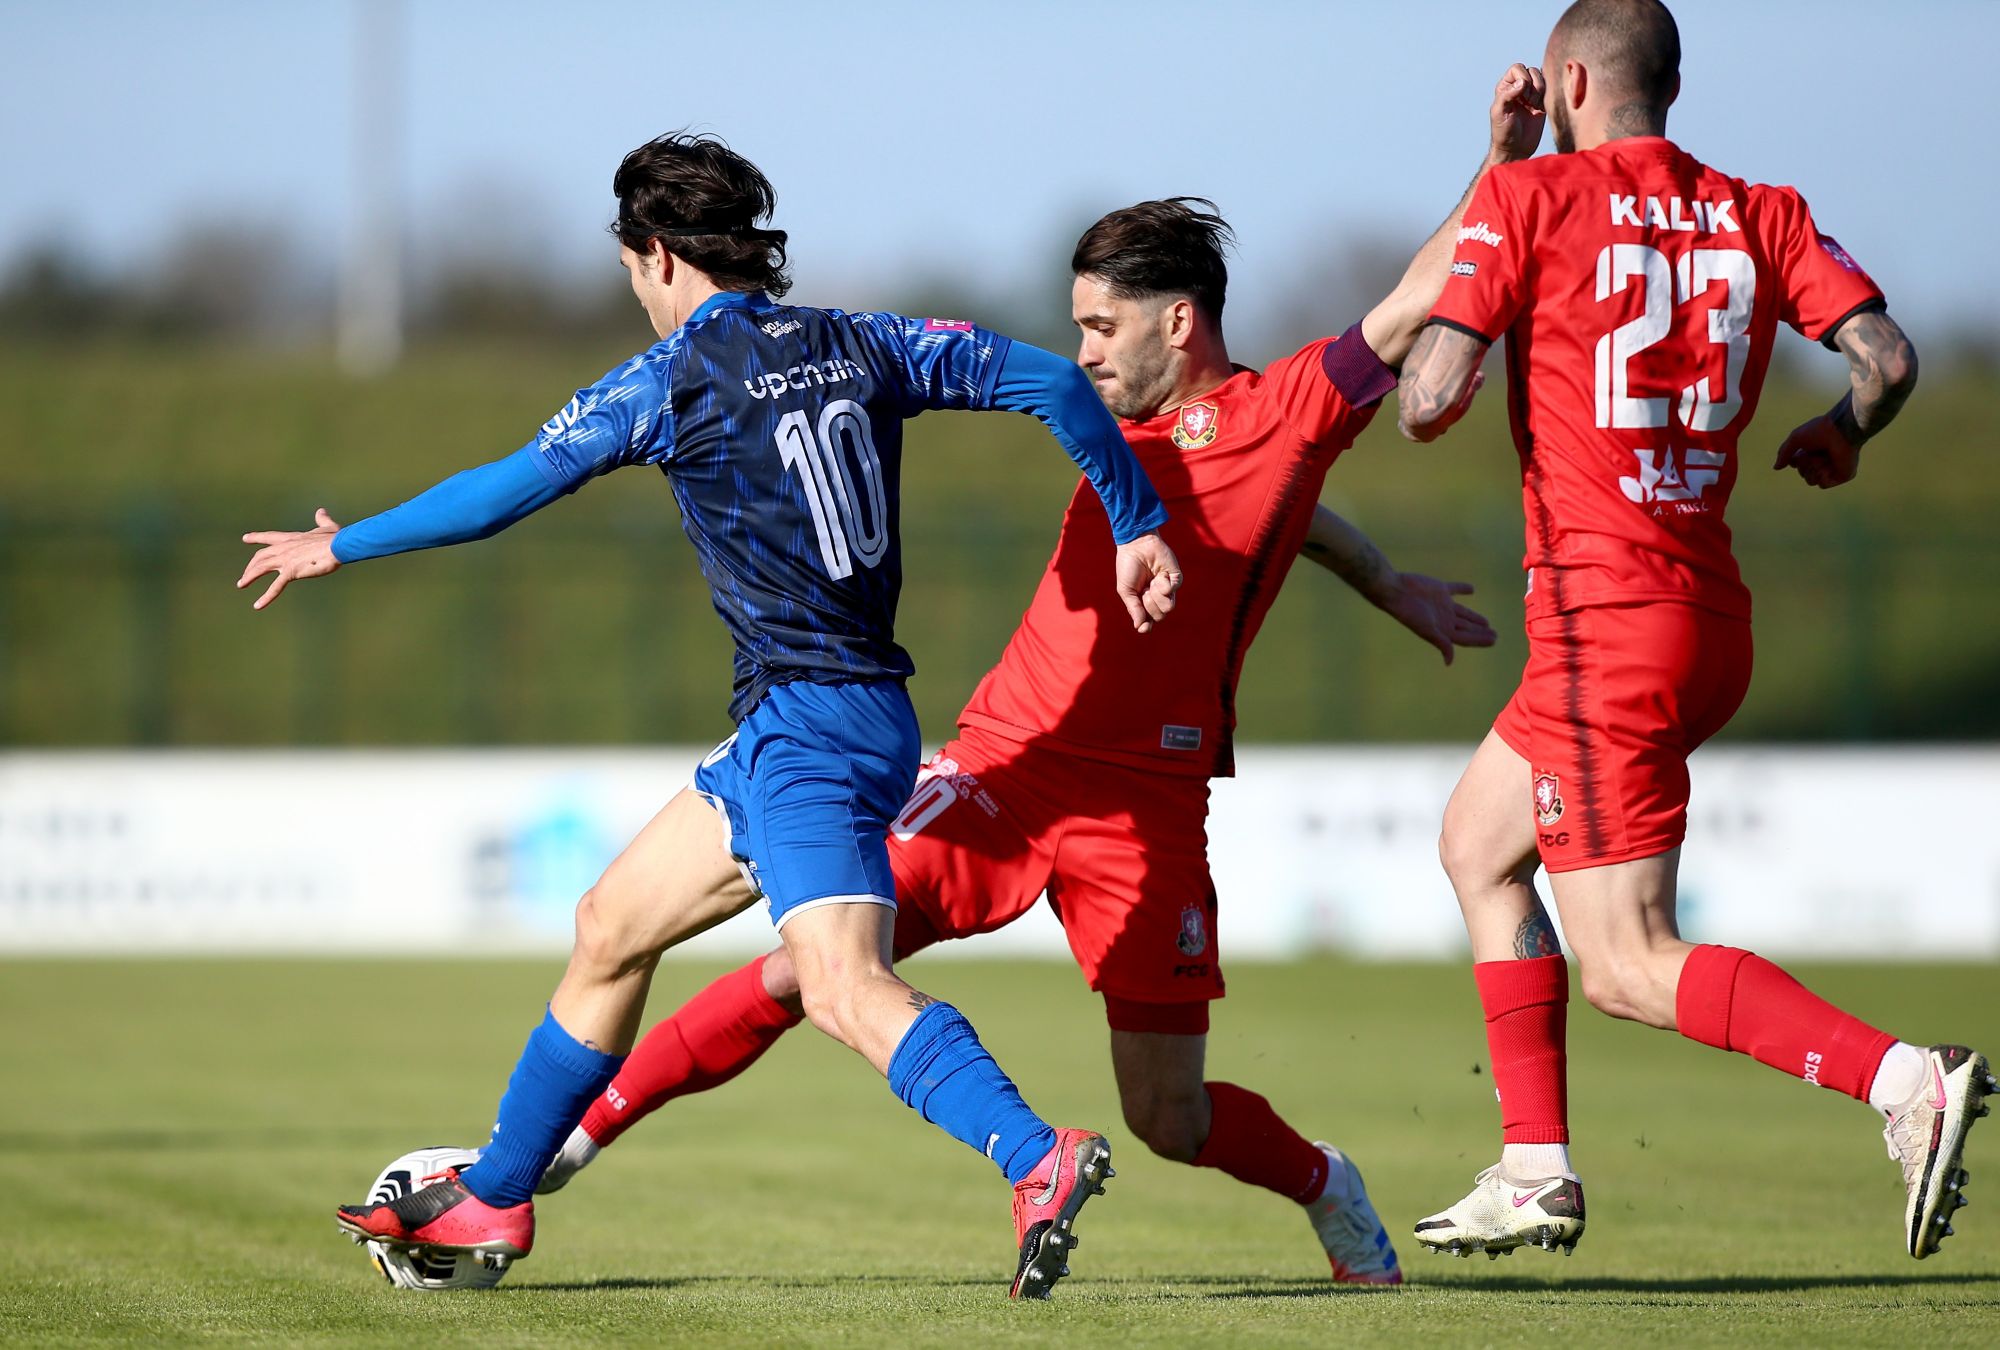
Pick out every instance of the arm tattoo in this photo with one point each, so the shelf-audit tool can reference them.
(1343, 550)
(920, 1000)
(1403, 311)
(1436, 376)
(1536, 937)
(1882, 366)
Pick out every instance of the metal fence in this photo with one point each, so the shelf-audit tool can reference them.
(124, 630)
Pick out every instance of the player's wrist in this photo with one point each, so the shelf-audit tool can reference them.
(1847, 424)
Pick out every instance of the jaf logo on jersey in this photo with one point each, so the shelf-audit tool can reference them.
(1193, 940)
(1480, 233)
(1662, 480)
(1196, 426)
(948, 325)
(1548, 798)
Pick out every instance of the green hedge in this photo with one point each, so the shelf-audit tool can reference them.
(130, 471)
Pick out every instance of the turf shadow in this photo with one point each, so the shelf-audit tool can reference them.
(1669, 1284)
(1726, 1284)
(609, 1284)
(616, 1283)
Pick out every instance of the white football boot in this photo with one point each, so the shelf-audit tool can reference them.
(1356, 1243)
(1504, 1212)
(1927, 1137)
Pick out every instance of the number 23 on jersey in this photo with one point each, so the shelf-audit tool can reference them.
(1701, 406)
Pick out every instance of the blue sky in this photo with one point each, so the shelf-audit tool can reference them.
(969, 141)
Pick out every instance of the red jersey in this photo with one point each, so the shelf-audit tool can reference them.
(1240, 470)
(1640, 291)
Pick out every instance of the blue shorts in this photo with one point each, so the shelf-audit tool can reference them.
(809, 784)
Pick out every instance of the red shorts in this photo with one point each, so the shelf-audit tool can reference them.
(1613, 701)
(1121, 853)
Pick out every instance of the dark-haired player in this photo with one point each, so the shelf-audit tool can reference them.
(779, 429)
(1641, 293)
(1081, 765)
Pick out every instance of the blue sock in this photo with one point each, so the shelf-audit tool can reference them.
(941, 1071)
(553, 1085)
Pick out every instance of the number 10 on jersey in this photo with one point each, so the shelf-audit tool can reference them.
(843, 480)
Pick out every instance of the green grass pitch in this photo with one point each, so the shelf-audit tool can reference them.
(173, 1136)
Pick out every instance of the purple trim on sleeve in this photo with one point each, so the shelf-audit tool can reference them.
(1356, 371)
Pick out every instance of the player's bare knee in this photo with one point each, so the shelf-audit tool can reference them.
(1467, 865)
(599, 942)
(609, 942)
(1170, 1124)
(823, 1013)
(832, 1001)
(1614, 987)
(781, 981)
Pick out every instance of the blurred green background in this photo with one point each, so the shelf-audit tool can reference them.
(136, 458)
(215, 210)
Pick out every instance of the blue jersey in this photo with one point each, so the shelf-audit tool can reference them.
(781, 431)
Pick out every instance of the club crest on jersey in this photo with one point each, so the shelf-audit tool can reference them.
(1196, 426)
(1548, 798)
(1193, 940)
(1838, 254)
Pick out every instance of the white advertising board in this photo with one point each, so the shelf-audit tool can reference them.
(1800, 853)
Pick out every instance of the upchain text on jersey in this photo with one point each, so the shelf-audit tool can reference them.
(780, 430)
(1640, 291)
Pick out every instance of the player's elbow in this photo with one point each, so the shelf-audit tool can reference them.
(1419, 417)
(1423, 433)
(1899, 368)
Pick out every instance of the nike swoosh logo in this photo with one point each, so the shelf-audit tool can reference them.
(1937, 1088)
(1055, 1181)
(1521, 1200)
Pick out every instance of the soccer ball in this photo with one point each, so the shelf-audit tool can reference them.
(427, 1267)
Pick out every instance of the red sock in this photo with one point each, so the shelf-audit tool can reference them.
(716, 1035)
(1252, 1143)
(1527, 1012)
(1733, 1000)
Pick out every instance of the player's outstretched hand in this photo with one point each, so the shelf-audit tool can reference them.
(1517, 114)
(292, 554)
(1148, 576)
(1821, 453)
(1427, 607)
